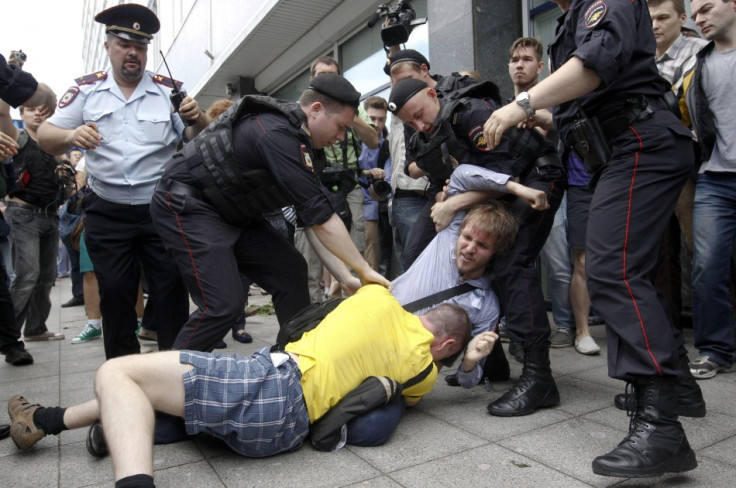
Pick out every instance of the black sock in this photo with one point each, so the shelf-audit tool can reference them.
(135, 481)
(50, 420)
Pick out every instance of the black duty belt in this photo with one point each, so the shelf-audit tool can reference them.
(399, 193)
(51, 210)
(179, 188)
(632, 112)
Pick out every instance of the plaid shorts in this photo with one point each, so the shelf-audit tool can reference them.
(256, 408)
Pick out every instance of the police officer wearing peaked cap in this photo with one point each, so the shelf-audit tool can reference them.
(123, 118)
(208, 206)
(605, 78)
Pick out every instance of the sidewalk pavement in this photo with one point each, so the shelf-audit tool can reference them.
(448, 440)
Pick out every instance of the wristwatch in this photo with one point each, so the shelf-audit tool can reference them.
(525, 102)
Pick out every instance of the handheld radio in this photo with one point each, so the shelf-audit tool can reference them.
(176, 95)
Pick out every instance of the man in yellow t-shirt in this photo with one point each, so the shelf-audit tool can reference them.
(262, 404)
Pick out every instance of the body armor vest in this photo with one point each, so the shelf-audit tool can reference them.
(239, 197)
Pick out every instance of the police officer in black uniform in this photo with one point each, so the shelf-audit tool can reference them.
(258, 156)
(609, 103)
(450, 131)
(400, 65)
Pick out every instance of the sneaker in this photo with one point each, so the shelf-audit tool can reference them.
(703, 367)
(562, 337)
(22, 428)
(89, 333)
(46, 336)
(18, 356)
(586, 346)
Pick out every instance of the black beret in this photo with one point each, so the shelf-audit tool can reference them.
(337, 87)
(402, 93)
(130, 21)
(404, 55)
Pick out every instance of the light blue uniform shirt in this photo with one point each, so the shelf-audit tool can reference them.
(435, 269)
(139, 136)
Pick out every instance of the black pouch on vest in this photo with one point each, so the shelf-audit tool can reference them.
(591, 143)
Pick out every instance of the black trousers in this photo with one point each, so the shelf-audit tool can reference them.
(516, 275)
(9, 330)
(211, 254)
(120, 238)
(631, 207)
(421, 235)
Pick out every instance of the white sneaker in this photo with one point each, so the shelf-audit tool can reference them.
(586, 346)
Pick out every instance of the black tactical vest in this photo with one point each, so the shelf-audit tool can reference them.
(36, 180)
(239, 197)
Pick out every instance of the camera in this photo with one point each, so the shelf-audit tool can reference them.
(381, 188)
(401, 21)
(17, 58)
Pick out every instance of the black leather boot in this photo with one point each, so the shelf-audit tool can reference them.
(656, 443)
(690, 401)
(535, 389)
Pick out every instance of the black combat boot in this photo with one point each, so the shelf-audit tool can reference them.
(690, 401)
(656, 443)
(535, 389)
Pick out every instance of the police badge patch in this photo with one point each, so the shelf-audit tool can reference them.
(68, 97)
(306, 158)
(595, 14)
(476, 137)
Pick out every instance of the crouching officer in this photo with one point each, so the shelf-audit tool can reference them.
(450, 131)
(257, 157)
(609, 104)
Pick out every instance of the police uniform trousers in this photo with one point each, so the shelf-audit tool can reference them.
(120, 238)
(631, 207)
(211, 254)
(515, 274)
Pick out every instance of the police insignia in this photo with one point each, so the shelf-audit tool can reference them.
(476, 136)
(68, 97)
(306, 158)
(595, 14)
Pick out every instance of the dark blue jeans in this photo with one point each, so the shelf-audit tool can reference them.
(714, 229)
(377, 426)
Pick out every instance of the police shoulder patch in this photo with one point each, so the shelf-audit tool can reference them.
(167, 82)
(476, 137)
(69, 96)
(595, 13)
(306, 158)
(91, 78)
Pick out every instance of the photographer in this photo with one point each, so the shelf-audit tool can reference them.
(375, 167)
(20, 88)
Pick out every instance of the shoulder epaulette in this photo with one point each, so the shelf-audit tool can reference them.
(168, 82)
(91, 78)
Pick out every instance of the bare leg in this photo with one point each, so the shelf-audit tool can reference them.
(91, 295)
(129, 389)
(579, 297)
(82, 414)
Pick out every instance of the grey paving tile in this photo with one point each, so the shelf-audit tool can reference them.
(191, 475)
(710, 473)
(306, 468)
(489, 465)
(578, 396)
(34, 468)
(418, 439)
(721, 451)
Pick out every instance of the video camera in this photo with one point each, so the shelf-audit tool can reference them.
(401, 21)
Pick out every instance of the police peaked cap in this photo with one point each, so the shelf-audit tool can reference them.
(402, 93)
(337, 87)
(404, 55)
(130, 21)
